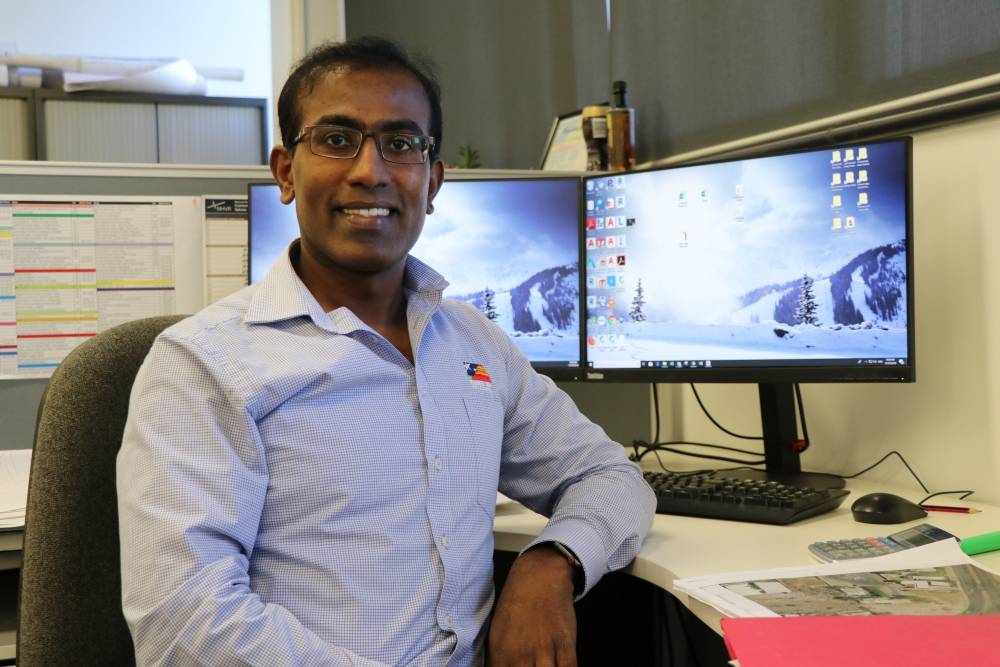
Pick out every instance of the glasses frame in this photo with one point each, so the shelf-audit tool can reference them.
(307, 130)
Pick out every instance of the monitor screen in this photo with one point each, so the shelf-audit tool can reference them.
(510, 247)
(792, 267)
(273, 226)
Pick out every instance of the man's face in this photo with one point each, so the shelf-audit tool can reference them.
(361, 214)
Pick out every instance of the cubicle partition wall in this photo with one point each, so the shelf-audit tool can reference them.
(88, 182)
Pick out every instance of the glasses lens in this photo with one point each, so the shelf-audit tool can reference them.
(403, 148)
(334, 141)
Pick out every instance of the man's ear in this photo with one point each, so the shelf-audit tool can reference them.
(281, 169)
(434, 184)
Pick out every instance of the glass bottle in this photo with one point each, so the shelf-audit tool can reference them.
(621, 130)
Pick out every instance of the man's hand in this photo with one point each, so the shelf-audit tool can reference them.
(534, 622)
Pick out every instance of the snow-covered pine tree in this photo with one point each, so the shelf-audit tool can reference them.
(636, 314)
(489, 306)
(805, 311)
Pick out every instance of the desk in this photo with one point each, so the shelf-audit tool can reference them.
(679, 547)
(10, 562)
(676, 547)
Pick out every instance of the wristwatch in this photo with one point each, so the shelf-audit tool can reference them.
(574, 562)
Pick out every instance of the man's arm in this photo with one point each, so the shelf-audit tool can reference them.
(192, 478)
(560, 464)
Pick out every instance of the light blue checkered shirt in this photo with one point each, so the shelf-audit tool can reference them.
(293, 491)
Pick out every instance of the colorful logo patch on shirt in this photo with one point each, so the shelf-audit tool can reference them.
(477, 372)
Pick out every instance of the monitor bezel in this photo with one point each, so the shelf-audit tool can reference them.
(769, 372)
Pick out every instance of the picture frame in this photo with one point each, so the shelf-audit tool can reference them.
(565, 149)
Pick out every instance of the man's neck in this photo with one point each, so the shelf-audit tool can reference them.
(375, 298)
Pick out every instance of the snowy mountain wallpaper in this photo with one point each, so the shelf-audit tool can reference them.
(510, 248)
(796, 257)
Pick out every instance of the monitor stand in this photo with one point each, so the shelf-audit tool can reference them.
(780, 427)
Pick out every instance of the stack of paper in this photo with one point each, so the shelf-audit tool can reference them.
(933, 580)
(14, 467)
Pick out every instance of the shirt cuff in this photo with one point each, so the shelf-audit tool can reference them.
(584, 542)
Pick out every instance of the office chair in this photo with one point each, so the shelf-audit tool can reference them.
(69, 606)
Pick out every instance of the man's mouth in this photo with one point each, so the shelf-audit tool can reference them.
(377, 212)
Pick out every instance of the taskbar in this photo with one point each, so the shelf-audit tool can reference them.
(757, 363)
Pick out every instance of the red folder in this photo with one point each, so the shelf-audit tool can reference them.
(860, 641)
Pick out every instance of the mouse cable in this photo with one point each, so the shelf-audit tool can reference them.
(717, 424)
(965, 492)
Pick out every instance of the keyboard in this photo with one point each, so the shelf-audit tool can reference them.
(711, 495)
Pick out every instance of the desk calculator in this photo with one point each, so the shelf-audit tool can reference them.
(866, 547)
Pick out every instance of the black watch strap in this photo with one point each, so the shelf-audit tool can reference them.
(574, 562)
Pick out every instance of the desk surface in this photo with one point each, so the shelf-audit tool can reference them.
(679, 547)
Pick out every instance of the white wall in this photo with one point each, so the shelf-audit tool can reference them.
(222, 33)
(947, 424)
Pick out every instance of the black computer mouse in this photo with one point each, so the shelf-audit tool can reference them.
(885, 508)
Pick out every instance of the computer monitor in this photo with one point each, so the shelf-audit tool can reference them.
(774, 270)
(509, 246)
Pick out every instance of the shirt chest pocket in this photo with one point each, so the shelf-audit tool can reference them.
(482, 447)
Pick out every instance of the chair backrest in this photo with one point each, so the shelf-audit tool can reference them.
(69, 607)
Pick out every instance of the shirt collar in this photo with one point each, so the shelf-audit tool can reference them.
(282, 295)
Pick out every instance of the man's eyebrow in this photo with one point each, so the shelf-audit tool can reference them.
(400, 125)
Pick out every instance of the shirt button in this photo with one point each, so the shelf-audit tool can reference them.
(444, 541)
(438, 463)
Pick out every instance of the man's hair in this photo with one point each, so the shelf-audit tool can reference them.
(360, 52)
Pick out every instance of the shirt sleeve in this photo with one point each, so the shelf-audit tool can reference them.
(560, 464)
(192, 478)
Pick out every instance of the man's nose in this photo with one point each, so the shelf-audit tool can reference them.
(369, 168)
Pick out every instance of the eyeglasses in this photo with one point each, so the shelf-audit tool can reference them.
(345, 143)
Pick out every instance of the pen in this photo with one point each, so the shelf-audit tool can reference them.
(949, 508)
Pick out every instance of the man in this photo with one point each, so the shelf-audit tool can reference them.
(309, 469)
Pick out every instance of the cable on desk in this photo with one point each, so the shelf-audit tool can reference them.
(965, 492)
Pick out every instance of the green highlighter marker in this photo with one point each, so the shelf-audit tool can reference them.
(980, 544)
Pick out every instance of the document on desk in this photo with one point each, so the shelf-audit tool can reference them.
(14, 467)
(935, 579)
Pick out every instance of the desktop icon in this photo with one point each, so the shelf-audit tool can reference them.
(835, 156)
(620, 201)
(862, 153)
(836, 178)
(836, 223)
(590, 204)
(849, 177)
(862, 199)
(849, 222)
(836, 201)
(610, 202)
(591, 224)
(590, 186)
(848, 154)
(862, 176)
(738, 190)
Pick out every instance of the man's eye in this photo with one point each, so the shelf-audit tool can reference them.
(335, 139)
(401, 143)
